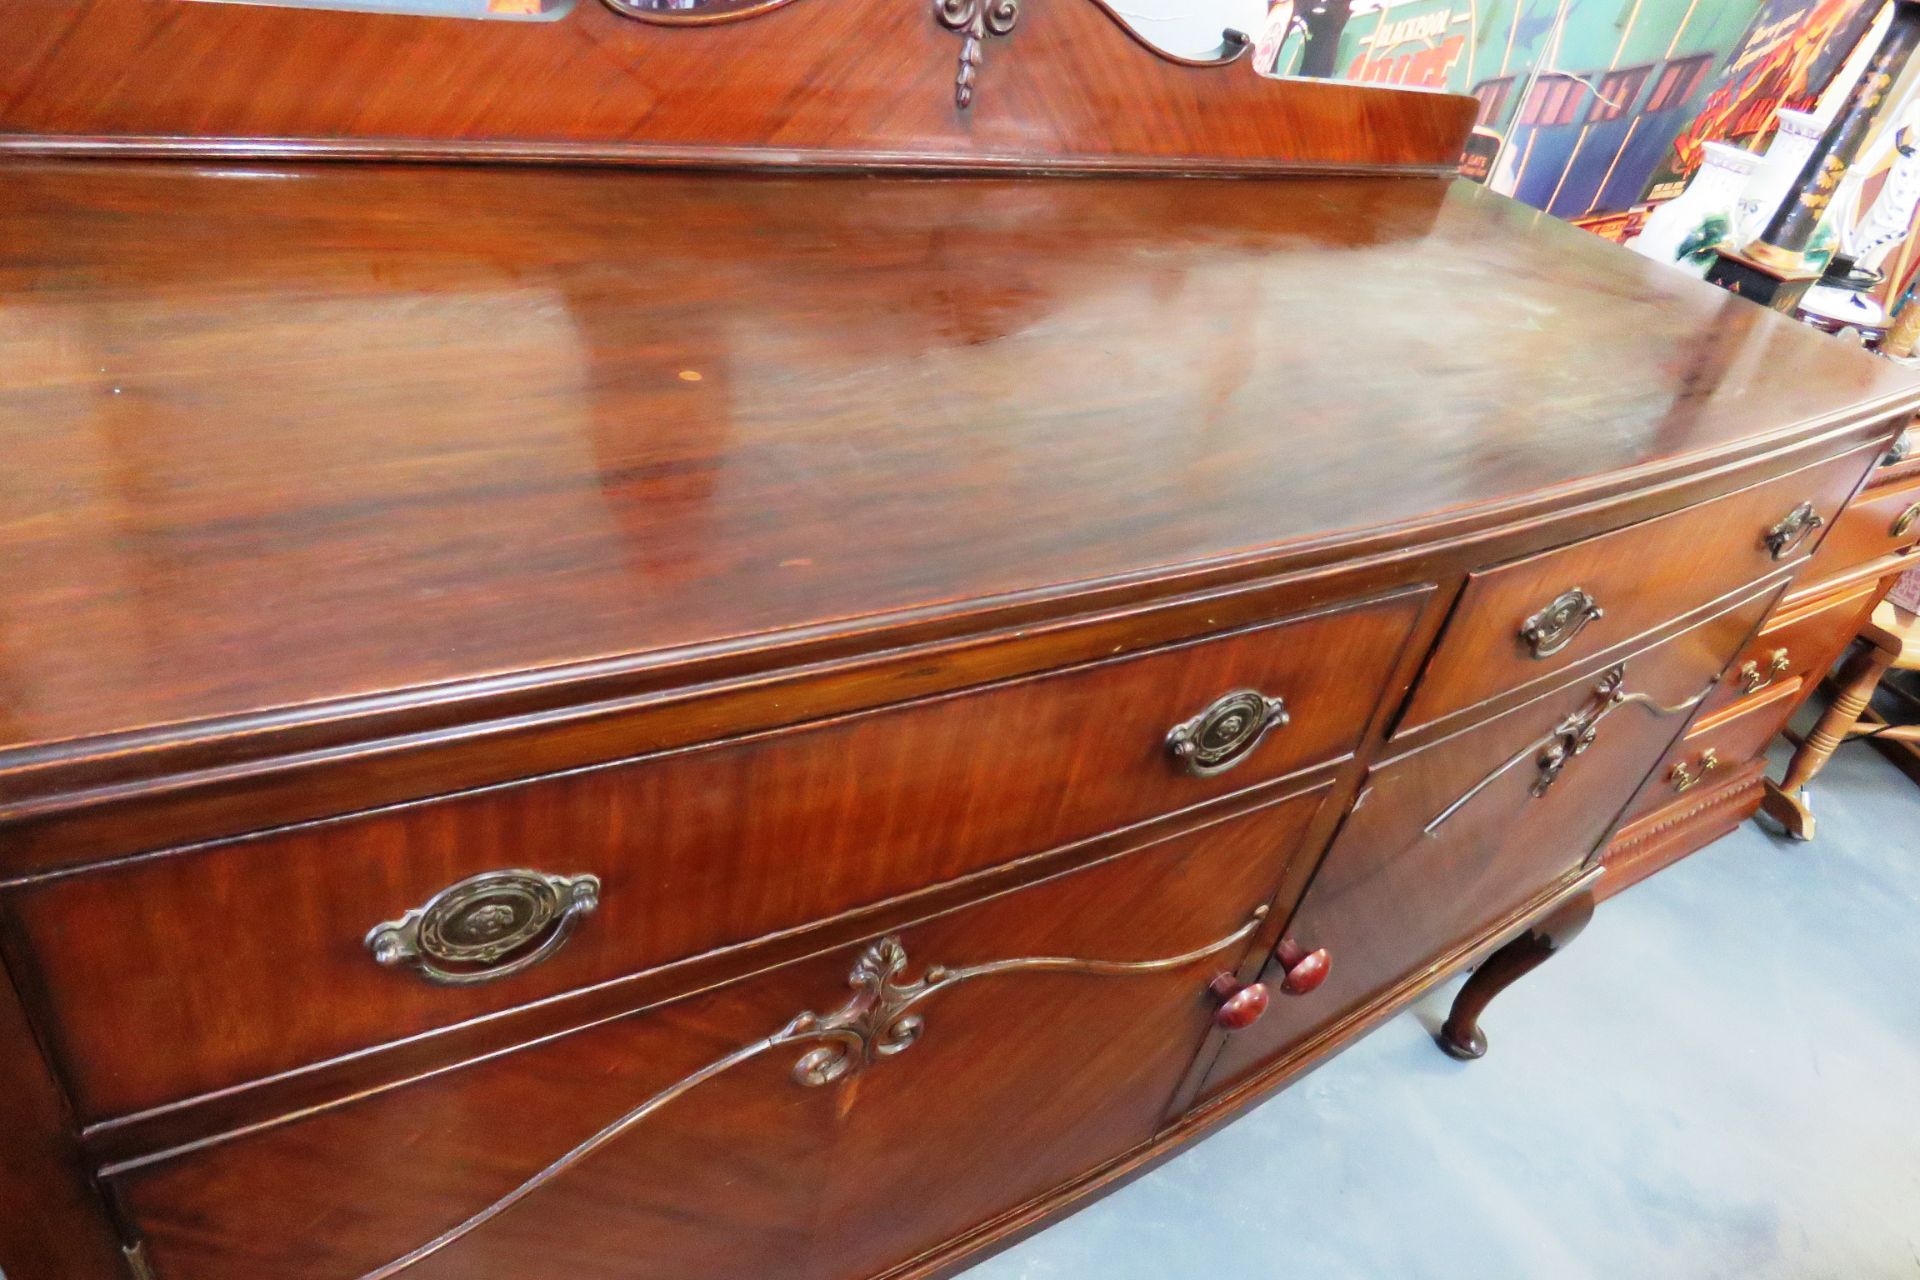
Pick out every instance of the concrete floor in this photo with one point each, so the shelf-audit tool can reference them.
(1720, 1078)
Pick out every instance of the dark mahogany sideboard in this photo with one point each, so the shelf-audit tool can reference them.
(1716, 776)
(931, 604)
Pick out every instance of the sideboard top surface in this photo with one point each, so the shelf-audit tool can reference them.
(283, 435)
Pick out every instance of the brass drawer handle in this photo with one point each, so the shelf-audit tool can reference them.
(1554, 627)
(1904, 525)
(1685, 779)
(1225, 733)
(1753, 680)
(486, 927)
(1793, 529)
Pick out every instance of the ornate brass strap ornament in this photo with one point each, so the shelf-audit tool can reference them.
(1553, 751)
(1753, 680)
(1554, 627)
(976, 20)
(1573, 735)
(1226, 733)
(486, 927)
(877, 1022)
(1794, 528)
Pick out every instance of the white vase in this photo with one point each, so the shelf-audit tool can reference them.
(1687, 229)
(1778, 172)
(1890, 219)
(1838, 307)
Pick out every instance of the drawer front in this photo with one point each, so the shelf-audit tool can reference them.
(1008, 1084)
(1526, 620)
(1793, 647)
(1449, 839)
(1879, 522)
(1718, 747)
(173, 976)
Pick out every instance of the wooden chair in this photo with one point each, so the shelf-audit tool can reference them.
(1890, 641)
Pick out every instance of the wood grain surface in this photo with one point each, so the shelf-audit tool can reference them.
(824, 82)
(1017, 1084)
(281, 437)
(695, 851)
(1395, 891)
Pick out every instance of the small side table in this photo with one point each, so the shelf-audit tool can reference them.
(1889, 642)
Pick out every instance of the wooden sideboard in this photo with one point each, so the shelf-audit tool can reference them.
(971, 603)
(1716, 776)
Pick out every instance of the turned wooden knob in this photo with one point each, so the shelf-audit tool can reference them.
(1306, 970)
(1241, 1004)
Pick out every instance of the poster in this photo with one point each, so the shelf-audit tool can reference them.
(1588, 108)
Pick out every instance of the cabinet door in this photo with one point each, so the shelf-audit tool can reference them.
(1449, 840)
(818, 1121)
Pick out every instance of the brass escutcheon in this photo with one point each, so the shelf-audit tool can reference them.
(486, 927)
(1554, 627)
(1226, 733)
(1793, 529)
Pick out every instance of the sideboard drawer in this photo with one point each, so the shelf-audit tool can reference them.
(981, 1094)
(1879, 522)
(1455, 836)
(1525, 620)
(1794, 647)
(1718, 747)
(174, 975)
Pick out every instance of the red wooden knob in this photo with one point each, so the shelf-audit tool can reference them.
(1306, 970)
(1240, 1006)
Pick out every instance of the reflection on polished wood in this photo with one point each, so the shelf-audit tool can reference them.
(269, 452)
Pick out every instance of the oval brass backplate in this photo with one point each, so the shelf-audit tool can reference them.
(486, 927)
(1794, 528)
(1226, 733)
(1554, 627)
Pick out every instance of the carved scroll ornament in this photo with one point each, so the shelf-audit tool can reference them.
(976, 20)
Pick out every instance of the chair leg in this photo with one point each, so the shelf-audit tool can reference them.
(1460, 1036)
(1785, 802)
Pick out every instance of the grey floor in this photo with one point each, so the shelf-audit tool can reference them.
(1721, 1078)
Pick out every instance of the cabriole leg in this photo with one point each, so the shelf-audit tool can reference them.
(1460, 1035)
